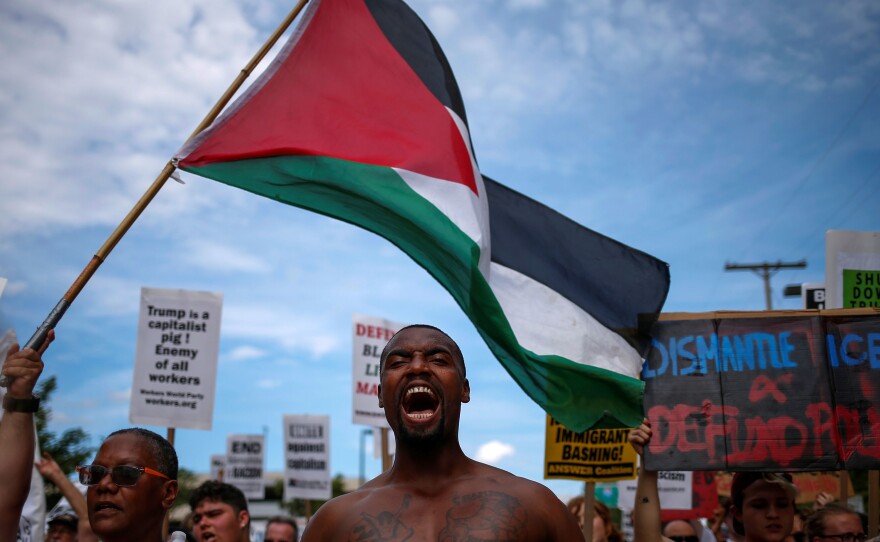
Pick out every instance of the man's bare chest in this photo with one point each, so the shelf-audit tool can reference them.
(485, 515)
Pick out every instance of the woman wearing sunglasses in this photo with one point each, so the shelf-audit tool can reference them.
(835, 522)
(131, 485)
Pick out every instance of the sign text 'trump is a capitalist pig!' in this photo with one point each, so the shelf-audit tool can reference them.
(176, 358)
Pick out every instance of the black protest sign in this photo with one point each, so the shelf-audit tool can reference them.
(795, 390)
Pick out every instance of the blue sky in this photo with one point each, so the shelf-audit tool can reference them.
(702, 133)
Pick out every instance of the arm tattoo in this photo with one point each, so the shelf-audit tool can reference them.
(484, 516)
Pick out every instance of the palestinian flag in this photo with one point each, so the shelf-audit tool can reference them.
(360, 118)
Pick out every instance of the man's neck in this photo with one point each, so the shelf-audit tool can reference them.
(428, 465)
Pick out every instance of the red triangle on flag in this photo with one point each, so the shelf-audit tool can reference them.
(341, 89)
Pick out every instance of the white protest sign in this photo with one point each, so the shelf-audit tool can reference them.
(218, 467)
(306, 457)
(675, 488)
(377, 443)
(369, 337)
(852, 269)
(175, 366)
(244, 464)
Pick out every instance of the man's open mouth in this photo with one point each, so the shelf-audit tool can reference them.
(420, 403)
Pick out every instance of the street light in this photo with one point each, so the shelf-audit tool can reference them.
(361, 473)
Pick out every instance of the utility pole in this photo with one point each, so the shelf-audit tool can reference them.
(766, 270)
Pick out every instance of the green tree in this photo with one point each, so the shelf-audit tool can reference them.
(187, 481)
(69, 449)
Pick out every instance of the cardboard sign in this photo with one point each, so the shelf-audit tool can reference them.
(244, 464)
(369, 337)
(786, 390)
(592, 456)
(307, 457)
(175, 367)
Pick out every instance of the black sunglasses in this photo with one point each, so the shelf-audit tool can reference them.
(682, 538)
(847, 537)
(122, 475)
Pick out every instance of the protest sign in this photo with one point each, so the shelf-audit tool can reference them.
(175, 366)
(369, 336)
(244, 464)
(218, 467)
(784, 390)
(852, 269)
(683, 495)
(307, 457)
(595, 455)
(675, 489)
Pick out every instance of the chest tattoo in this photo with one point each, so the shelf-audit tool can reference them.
(483, 517)
(486, 516)
(382, 527)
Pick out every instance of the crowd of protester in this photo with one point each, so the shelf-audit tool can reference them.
(132, 484)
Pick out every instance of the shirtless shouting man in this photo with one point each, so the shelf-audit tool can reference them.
(433, 492)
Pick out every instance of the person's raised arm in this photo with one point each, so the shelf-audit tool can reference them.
(23, 368)
(646, 510)
(50, 470)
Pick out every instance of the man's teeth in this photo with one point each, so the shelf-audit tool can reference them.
(420, 389)
(421, 416)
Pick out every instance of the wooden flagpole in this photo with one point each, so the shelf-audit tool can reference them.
(589, 510)
(55, 315)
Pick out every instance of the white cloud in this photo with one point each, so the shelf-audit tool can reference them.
(120, 396)
(527, 4)
(243, 353)
(442, 20)
(288, 327)
(217, 256)
(14, 287)
(92, 101)
(494, 451)
(268, 383)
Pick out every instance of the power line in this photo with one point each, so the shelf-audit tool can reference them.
(797, 189)
(828, 222)
(765, 270)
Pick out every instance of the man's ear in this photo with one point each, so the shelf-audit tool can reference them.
(243, 518)
(466, 391)
(169, 493)
(379, 391)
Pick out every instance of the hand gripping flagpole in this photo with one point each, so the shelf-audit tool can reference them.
(55, 315)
